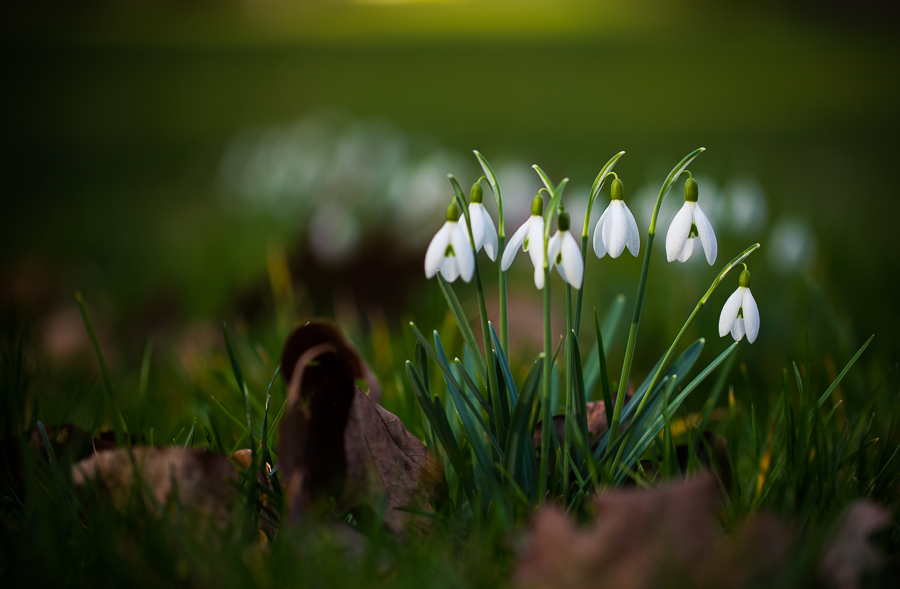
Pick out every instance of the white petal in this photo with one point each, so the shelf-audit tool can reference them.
(490, 235)
(730, 311)
(515, 242)
(477, 225)
(634, 234)
(449, 269)
(462, 250)
(751, 316)
(536, 242)
(707, 236)
(434, 255)
(571, 262)
(678, 233)
(553, 247)
(539, 277)
(599, 248)
(689, 247)
(615, 231)
(737, 332)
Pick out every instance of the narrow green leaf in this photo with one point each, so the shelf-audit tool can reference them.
(504, 368)
(441, 429)
(840, 376)
(242, 386)
(657, 424)
(611, 323)
(495, 188)
(463, 324)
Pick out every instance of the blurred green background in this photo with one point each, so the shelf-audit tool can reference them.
(176, 160)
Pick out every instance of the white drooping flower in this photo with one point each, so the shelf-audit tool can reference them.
(483, 231)
(450, 250)
(616, 228)
(740, 314)
(689, 227)
(564, 253)
(530, 237)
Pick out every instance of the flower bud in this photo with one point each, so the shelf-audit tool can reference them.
(537, 206)
(477, 193)
(617, 190)
(744, 280)
(453, 211)
(563, 221)
(691, 190)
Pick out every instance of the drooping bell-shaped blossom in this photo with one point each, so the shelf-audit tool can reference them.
(530, 237)
(616, 228)
(690, 228)
(564, 253)
(740, 315)
(483, 231)
(450, 250)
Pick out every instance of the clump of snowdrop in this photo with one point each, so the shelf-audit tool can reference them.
(530, 237)
(740, 314)
(616, 228)
(564, 253)
(450, 250)
(483, 231)
(689, 228)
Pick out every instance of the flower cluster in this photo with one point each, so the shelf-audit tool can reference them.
(454, 248)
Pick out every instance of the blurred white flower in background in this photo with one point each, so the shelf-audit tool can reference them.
(341, 180)
(791, 244)
(746, 209)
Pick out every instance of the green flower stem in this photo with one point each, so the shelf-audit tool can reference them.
(569, 398)
(639, 298)
(493, 388)
(504, 330)
(491, 178)
(671, 351)
(605, 172)
(545, 401)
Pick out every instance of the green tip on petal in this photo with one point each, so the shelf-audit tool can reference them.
(617, 190)
(453, 211)
(691, 190)
(477, 193)
(537, 206)
(744, 280)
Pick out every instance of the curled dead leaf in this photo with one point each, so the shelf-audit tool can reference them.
(316, 332)
(202, 480)
(850, 553)
(337, 442)
(666, 536)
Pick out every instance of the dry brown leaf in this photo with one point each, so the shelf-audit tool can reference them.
(668, 536)
(203, 480)
(337, 442)
(316, 332)
(638, 537)
(850, 554)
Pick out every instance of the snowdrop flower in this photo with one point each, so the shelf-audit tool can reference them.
(450, 250)
(688, 227)
(564, 253)
(616, 227)
(530, 237)
(740, 314)
(483, 231)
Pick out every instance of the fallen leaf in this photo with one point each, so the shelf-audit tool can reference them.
(316, 332)
(638, 539)
(337, 442)
(201, 479)
(666, 536)
(850, 554)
